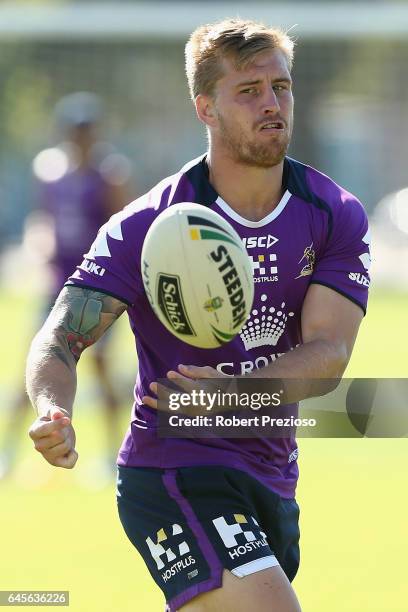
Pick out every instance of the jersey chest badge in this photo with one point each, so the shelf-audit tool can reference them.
(263, 258)
(309, 258)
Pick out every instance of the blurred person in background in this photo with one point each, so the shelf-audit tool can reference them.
(82, 182)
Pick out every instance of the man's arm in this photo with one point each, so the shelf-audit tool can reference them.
(79, 317)
(330, 324)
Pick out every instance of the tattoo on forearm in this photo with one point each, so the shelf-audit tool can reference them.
(82, 316)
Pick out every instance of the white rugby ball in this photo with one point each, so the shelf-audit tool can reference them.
(197, 275)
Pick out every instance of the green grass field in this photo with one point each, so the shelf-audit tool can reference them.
(57, 533)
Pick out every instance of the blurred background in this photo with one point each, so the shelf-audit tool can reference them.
(59, 530)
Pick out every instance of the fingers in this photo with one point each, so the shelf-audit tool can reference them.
(62, 455)
(183, 380)
(56, 413)
(183, 383)
(173, 374)
(160, 402)
(42, 429)
(58, 451)
(55, 439)
(67, 461)
(153, 402)
(192, 371)
(150, 401)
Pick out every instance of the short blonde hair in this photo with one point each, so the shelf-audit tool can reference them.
(237, 39)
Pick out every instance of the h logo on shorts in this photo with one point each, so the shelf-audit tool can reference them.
(157, 550)
(241, 526)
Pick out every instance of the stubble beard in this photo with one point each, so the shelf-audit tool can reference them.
(250, 153)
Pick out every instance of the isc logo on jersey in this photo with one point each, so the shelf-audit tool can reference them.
(262, 242)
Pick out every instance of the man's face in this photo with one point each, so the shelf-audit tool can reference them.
(254, 110)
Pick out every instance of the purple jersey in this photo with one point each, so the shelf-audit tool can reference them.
(78, 206)
(318, 233)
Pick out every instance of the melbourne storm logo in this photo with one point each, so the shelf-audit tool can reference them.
(309, 257)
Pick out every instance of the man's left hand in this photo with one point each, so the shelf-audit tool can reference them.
(185, 379)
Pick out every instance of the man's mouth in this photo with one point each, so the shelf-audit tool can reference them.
(272, 125)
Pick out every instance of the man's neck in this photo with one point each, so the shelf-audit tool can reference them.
(80, 158)
(252, 192)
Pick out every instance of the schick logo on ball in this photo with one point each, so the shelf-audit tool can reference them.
(171, 304)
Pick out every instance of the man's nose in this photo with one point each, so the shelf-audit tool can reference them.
(270, 101)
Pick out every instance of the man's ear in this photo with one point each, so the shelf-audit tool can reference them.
(205, 109)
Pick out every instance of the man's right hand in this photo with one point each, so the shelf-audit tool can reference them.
(54, 437)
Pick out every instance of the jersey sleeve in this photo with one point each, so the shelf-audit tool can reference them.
(343, 265)
(112, 264)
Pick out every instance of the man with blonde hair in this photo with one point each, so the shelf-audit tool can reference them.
(215, 519)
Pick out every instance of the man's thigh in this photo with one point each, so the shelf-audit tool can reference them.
(268, 590)
(191, 524)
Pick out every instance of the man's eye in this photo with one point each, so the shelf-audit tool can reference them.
(282, 87)
(249, 90)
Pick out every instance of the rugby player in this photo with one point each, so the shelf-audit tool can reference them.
(216, 520)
